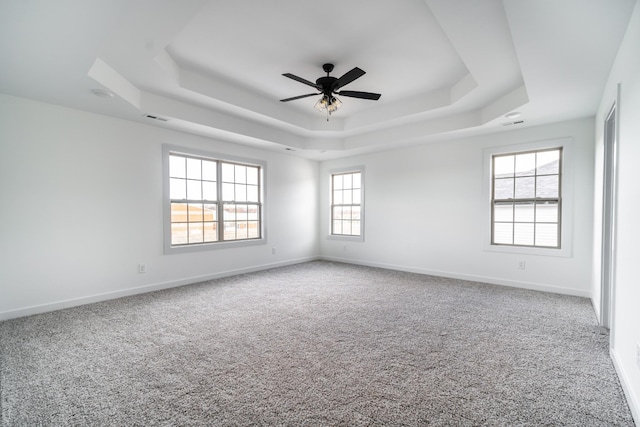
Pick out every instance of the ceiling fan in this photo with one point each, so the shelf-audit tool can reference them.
(328, 87)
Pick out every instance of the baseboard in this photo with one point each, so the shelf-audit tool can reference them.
(59, 305)
(472, 278)
(632, 399)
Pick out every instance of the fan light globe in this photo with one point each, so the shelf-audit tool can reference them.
(330, 104)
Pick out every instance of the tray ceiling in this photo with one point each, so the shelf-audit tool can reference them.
(443, 67)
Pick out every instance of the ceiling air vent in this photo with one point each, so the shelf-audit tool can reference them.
(160, 119)
(519, 122)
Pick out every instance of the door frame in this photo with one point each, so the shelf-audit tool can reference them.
(609, 187)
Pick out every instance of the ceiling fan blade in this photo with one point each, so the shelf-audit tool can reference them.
(298, 97)
(362, 95)
(301, 80)
(348, 78)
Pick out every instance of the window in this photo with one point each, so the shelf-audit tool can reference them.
(211, 201)
(346, 204)
(526, 198)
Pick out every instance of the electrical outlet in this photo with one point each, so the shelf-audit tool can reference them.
(142, 268)
(522, 264)
(638, 354)
(344, 248)
(273, 251)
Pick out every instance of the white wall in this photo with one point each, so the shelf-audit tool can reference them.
(626, 307)
(81, 207)
(424, 212)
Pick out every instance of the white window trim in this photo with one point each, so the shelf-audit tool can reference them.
(332, 172)
(166, 201)
(566, 221)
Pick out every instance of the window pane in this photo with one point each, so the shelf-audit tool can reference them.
(241, 193)
(241, 174)
(241, 232)
(229, 230)
(252, 214)
(194, 190)
(355, 213)
(229, 213)
(195, 212)
(503, 212)
(547, 212)
(210, 232)
(337, 212)
(196, 232)
(337, 197)
(347, 181)
(227, 172)
(254, 229)
(357, 197)
(178, 212)
(346, 227)
(252, 176)
(503, 233)
(209, 190)
(337, 227)
(503, 166)
(241, 212)
(178, 189)
(547, 186)
(252, 193)
(523, 234)
(177, 167)
(228, 192)
(524, 212)
(525, 164)
(357, 180)
(355, 228)
(548, 162)
(503, 188)
(194, 169)
(346, 197)
(210, 213)
(209, 170)
(346, 212)
(179, 234)
(547, 235)
(337, 182)
(525, 188)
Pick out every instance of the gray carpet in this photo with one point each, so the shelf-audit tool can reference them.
(315, 344)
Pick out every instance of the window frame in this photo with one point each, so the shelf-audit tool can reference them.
(343, 171)
(534, 201)
(565, 197)
(169, 248)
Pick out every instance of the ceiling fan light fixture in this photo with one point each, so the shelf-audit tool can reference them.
(330, 104)
(322, 103)
(334, 104)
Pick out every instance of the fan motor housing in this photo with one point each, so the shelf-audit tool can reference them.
(326, 83)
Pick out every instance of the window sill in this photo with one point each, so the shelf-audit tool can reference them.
(168, 250)
(526, 250)
(346, 238)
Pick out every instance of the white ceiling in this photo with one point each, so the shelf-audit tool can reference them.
(443, 67)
